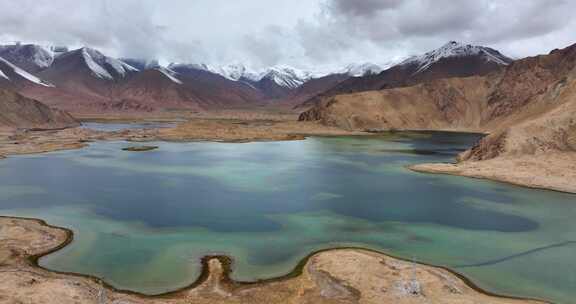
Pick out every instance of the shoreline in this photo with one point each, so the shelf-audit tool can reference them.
(504, 171)
(226, 269)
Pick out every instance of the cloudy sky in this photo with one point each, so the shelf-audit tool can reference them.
(311, 34)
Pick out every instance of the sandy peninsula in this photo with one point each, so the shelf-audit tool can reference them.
(332, 276)
(555, 171)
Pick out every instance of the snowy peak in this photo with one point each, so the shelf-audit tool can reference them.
(455, 49)
(232, 71)
(285, 76)
(11, 72)
(30, 57)
(362, 69)
(104, 67)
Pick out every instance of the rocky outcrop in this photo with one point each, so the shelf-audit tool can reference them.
(17, 111)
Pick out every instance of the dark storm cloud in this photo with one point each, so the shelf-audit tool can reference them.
(125, 27)
(361, 8)
(414, 26)
(304, 33)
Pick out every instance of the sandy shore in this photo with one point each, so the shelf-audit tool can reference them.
(332, 276)
(551, 171)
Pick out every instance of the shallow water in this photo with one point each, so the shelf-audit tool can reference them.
(144, 220)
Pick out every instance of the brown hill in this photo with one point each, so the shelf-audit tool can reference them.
(312, 88)
(153, 89)
(17, 111)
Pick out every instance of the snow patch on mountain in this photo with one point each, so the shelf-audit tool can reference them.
(170, 74)
(24, 74)
(4, 75)
(362, 69)
(456, 49)
(105, 67)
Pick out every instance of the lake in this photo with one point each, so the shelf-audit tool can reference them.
(143, 220)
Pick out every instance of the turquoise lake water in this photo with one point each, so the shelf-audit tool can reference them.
(143, 220)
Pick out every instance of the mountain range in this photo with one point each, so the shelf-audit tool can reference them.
(527, 106)
(87, 81)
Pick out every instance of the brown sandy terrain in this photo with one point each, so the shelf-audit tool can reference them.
(552, 171)
(333, 276)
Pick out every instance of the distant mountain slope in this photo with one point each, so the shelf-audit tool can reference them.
(152, 89)
(451, 60)
(14, 76)
(85, 80)
(312, 88)
(29, 57)
(87, 64)
(211, 90)
(17, 111)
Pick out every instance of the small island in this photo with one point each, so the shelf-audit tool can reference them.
(140, 148)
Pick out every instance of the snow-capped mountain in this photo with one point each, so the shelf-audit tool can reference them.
(30, 57)
(285, 76)
(16, 75)
(451, 60)
(105, 67)
(141, 64)
(361, 69)
(232, 71)
(455, 49)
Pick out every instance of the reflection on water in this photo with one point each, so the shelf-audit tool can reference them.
(144, 219)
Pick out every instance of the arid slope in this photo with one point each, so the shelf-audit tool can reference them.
(17, 111)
